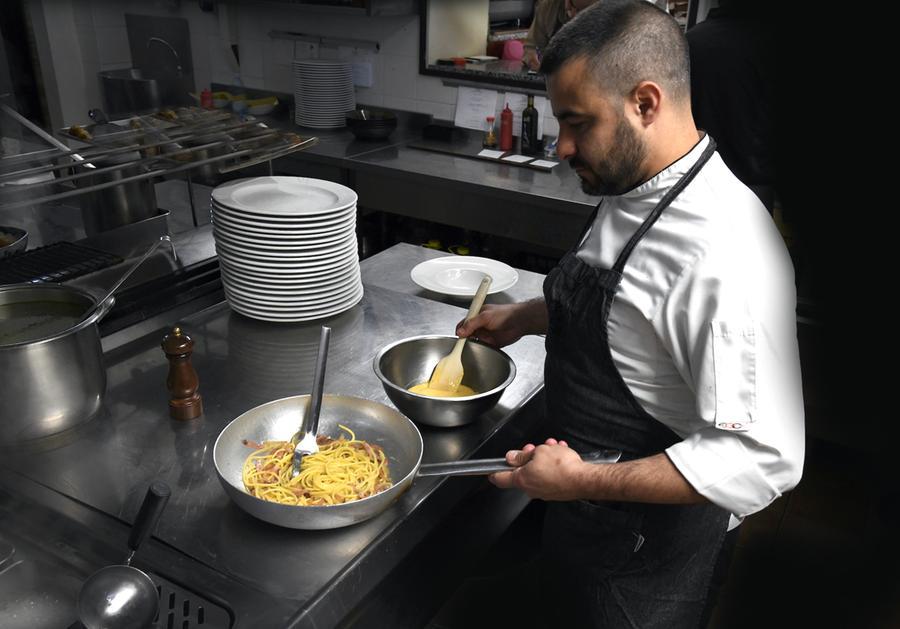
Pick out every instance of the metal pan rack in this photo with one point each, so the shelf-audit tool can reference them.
(154, 145)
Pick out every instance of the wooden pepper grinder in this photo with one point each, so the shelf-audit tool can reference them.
(185, 402)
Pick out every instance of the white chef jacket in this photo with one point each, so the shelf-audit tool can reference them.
(703, 330)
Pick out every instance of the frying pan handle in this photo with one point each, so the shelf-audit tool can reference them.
(154, 502)
(478, 467)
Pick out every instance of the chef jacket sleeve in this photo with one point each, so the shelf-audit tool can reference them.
(731, 319)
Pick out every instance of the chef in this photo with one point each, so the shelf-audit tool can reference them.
(670, 333)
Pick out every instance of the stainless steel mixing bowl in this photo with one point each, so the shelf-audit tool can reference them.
(410, 361)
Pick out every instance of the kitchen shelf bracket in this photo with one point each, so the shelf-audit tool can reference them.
(329, 42)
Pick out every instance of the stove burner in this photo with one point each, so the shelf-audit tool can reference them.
(57, 262)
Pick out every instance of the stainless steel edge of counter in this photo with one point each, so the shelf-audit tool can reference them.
(560, 187)
(241, 364)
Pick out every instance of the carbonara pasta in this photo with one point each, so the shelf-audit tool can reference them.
(343, 470)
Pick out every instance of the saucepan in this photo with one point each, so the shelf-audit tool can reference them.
(371, 421)
(51, 357)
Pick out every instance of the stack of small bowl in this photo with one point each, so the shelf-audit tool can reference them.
(371, 124)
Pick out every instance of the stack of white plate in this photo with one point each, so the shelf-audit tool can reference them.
(323, 93)
(287, 247)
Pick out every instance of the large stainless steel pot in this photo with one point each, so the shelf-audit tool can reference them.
(128, 91)
(51, 363)
(102, 210)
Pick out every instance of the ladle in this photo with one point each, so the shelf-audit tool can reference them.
(448, 373)
(304, 440)
(123, 596)
(128, 273)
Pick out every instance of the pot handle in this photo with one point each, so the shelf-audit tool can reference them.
(104, 305)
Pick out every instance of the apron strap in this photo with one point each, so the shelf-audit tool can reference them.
(673, 192)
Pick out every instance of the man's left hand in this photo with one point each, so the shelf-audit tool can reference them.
(550, 471)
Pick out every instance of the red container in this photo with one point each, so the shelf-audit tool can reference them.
(506, 122)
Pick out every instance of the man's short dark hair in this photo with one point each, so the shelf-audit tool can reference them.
(625, 42)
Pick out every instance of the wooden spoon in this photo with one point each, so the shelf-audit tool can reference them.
(448, 373)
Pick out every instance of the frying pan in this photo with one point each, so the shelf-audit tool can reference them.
(278, 420)
(370, 421)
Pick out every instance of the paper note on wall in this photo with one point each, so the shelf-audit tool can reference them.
(473, 106)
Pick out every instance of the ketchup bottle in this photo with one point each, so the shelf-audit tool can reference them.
(206, 99)
(506, 122)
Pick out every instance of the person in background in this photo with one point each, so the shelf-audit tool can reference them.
(733, 89)
(670, 335)
(549, 16)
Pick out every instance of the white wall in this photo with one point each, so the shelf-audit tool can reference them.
(97, 40)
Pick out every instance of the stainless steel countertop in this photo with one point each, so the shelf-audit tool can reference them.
(390, 269)
(559, 189)
(108, 463)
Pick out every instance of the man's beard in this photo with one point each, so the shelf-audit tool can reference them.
(620, 172)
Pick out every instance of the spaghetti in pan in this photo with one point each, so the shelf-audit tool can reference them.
(343, 470)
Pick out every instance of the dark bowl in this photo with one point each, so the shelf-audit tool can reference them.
(12, 239)
(371, 124)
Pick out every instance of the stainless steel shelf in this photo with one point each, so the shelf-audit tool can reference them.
(150, 146)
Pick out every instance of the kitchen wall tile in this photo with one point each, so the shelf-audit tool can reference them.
(278, 77)
(551, 126)
(114, 66)
(432, 88)
(438, 110)
(279, 51)
(83, 14)
(222, 76)
(402, 104)
(201, 61)
(219, 58)
(400, 76)
(403, 38)
(251, 20)
(256, 82)
(112, 44)
(368, 98)
(251, 53)
(105, 12)
(306, 50)
(87, 40)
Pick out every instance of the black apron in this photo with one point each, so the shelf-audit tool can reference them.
(614, 564)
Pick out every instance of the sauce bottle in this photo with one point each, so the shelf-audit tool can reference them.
(490, 138)
(530, 128)
(506, 137)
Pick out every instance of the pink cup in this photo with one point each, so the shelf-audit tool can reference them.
(513, 50)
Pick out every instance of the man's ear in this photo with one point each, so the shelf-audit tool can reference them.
(645, 101)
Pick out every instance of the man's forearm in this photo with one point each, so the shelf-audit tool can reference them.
(653, 479)
(534, 316)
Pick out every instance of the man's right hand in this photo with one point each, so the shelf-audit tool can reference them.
(500, 325)
(531, 60)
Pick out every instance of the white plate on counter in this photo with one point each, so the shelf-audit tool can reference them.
(460, 275)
